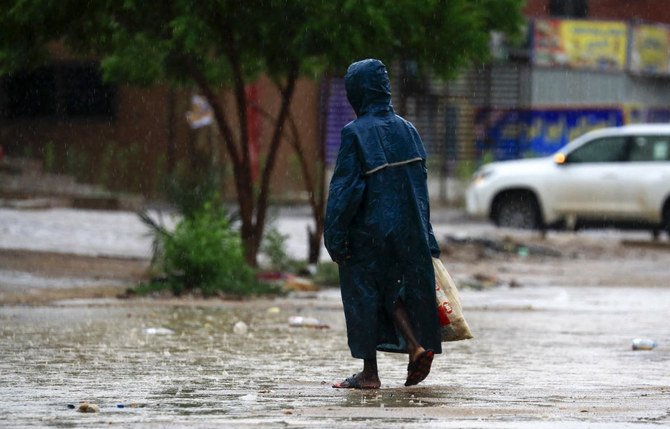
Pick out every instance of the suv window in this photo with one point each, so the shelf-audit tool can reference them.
(650, 148)
(607, 149)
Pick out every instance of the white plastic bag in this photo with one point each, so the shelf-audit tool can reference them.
(453, 326)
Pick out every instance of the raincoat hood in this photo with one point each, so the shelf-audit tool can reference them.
(368, 87)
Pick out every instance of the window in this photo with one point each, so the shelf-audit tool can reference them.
(650, 148)
(57, 91)
(569, 8)
(608, 149)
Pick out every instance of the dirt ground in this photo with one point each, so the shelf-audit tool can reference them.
(504, 257)
(101, 277)
(563, 258)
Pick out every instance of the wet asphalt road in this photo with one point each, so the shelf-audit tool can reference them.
(554, 353)
(542, 357)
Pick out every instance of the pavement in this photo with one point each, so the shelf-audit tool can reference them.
(552, 346)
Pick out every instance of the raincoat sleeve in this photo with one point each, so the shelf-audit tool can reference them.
(344, 197)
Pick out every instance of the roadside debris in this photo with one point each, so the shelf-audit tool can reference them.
(158, 331)
(480, 281)
(240, 328)
(487, 247)
(85, 407)
(299, 284)
(131, 405)
(289, 282)
(274, 310)
(644, 344)
(306, 322)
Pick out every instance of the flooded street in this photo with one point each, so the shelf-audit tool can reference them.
(540, 356)
(552, 352)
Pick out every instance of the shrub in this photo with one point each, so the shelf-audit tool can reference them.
(190, 190)
(203, 255)
(274, 247)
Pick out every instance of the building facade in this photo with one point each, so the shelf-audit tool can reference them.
(132, 139)
(582, 64)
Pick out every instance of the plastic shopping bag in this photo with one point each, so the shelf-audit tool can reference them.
(453, 326)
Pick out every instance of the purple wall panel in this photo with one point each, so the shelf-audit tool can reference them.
(338, 115)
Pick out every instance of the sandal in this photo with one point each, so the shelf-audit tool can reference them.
(353, 382)
(418, 370)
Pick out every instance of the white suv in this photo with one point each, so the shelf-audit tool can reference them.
(611, 176)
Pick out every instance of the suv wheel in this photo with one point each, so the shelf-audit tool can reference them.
(517, 211)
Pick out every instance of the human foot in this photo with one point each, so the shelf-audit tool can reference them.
(419, 366)
(359, 381)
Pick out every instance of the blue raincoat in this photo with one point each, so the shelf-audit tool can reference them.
(378, 220)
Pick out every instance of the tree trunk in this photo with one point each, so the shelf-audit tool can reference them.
(171, 132)
(315, 187)
(264, 192)
(251, 231)
(243, 185)
(318, 206)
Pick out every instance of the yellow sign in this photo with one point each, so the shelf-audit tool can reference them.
(650, 50)
(597, 45)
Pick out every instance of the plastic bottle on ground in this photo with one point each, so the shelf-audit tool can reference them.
(644, 344)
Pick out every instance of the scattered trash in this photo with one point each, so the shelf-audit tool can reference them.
(158, 331)
(480, 281)
(85, 407)
(644, 344)
(270, 276)
(274, 310)
(289, 282)
(299, 284)
(71, 406)
(131, 405)
(306, 322)
(311, 269)
(489, 247)
(240, 328)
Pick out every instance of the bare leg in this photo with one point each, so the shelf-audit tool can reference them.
(370, 374)
(401, 321)
(420, 359)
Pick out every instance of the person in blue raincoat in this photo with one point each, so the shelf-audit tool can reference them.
(378, 231)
